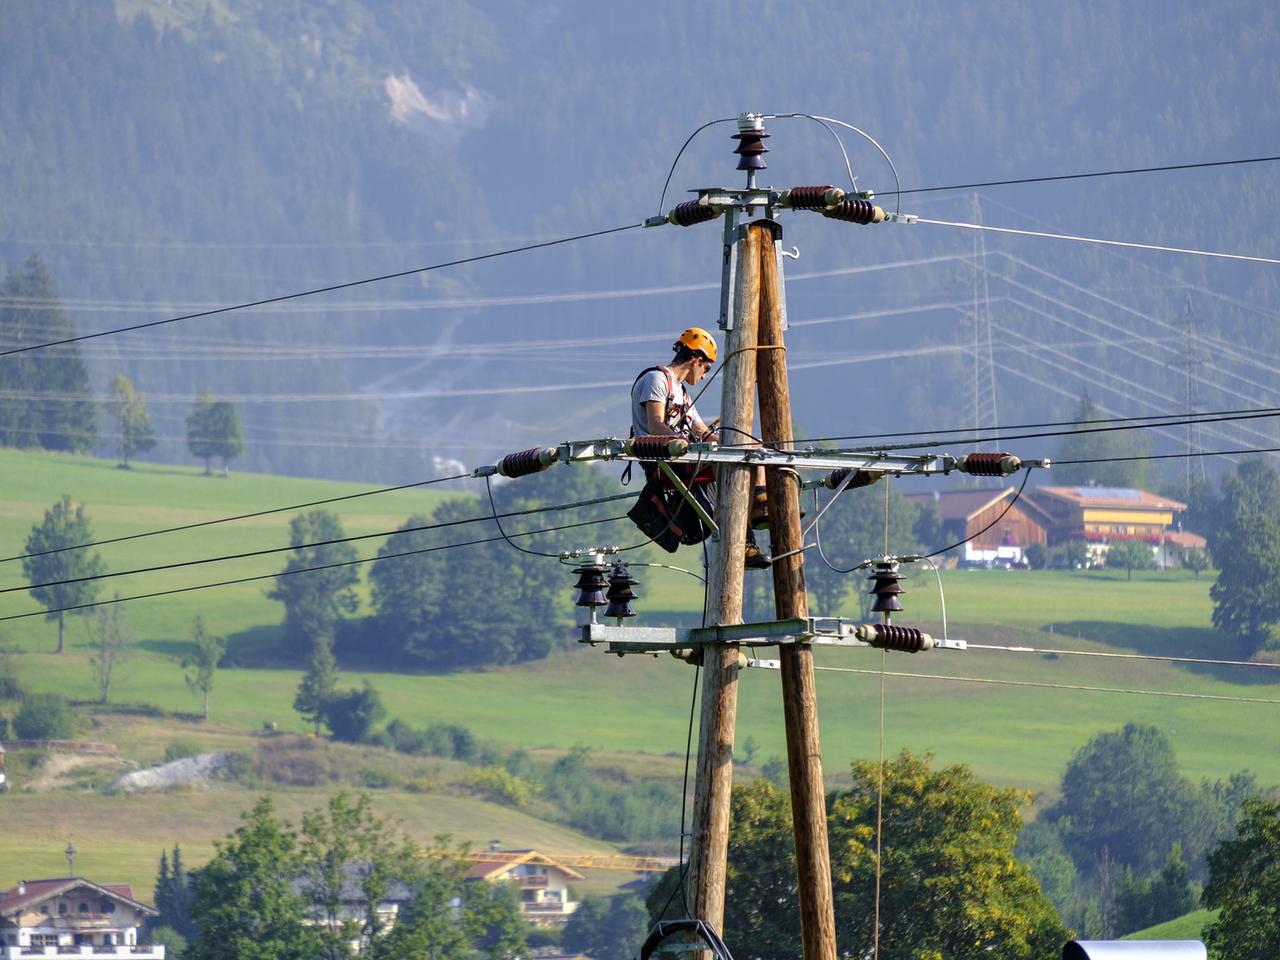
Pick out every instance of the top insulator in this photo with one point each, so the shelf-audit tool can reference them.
(751, 137)
(884, 587)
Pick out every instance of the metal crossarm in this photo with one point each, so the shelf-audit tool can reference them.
(818, 631)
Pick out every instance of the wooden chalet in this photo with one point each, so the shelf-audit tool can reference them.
(966, 512)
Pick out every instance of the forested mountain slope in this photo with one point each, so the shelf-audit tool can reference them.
(165, 157)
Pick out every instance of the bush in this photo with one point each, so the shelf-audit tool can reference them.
(10, 688)
(44, 716)
(452, 741)
(404, 738)
(1037, 556)
(180, 750)
(351, 716)
(496, 784)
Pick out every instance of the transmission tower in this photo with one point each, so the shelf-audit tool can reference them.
(1188, 362)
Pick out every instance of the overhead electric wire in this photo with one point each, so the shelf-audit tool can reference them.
(555, 508)
(239, 516)
(325, 289)
(287, 573)
(1109, 243)
(1083, 176)
(1176, 456)
(1013, 648)
(1054, 686)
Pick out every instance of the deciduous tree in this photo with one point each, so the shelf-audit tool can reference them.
(110, 638)
(1245, 541)
(1130, 555)
(213, 430)
(204, 662)
(1244, 885)
(133, 423)
(58, 571)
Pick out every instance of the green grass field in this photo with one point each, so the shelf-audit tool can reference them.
(634, 710)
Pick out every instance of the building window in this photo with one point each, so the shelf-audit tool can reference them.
(44, 908)
(108, 906)
(62, 909)
(84, 907)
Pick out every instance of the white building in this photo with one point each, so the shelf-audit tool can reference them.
(73, 917)
(542, 883)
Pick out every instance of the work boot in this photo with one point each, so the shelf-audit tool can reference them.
(753, 558)
(759, 509)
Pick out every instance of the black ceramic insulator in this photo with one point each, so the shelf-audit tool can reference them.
(855, 211)
(885, 587)
(652, 448)
(808, 198)
(905, 639)
(861, 478)
(591, 585)
(620, 593)
(751, 149)
(988, 464)
(690, 212)
(525, 462)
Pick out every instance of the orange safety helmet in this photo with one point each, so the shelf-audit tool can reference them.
(695, 338)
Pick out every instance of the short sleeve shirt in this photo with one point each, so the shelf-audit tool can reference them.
(654, 387)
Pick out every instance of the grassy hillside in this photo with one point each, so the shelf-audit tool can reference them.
(1187, 927)
(634, 710)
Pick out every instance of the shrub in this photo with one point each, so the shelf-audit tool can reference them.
(44, 716)
(496, 784)
(180, 749)
(404, 738)
(10, 688)
(452, 741)
(1037, 556)
(351, 716)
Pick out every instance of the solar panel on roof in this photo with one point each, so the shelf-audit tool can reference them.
(1109, 493)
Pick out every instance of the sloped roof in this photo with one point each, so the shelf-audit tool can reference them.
(1186, 540)
(486, 868)
(1113, 497)
(966, 504)
(37, 891)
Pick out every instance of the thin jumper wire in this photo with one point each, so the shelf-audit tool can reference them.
(1011, 648)
(325, 543)
(289, 573)
(318, 290)
(1054, 686)
(1084, 176)
(241, 516)
(1177, 456)
(1108, 243)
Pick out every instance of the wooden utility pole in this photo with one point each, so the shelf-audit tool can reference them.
(799, 695)
(714, 784)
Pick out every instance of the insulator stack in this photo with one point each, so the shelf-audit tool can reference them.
(811, 198)
(692, 211)
(620, 593)
(751, 148)
(527, 461)
(888, 637)
(885, 586)
(855, 211)
(989, 464)
(591, 585)
(861, 478)
(657, 448)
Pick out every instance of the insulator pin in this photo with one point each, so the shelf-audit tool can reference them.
(861, 478)
(657, 448)
(889, 637)
(811, 198)
(692, 211)
(989, 464)
(885, 586)
(591, 585)
(855, 211)
(620, 593)
(526, 462)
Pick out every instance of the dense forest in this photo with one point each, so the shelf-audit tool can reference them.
(169, 158)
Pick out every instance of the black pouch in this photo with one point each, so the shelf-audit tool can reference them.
(653, 516)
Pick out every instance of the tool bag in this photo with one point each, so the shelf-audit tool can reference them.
(667, 518)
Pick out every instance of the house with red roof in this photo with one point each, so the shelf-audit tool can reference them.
(76, 917)
(1104, 515)
(1001, 527)
(542, 883)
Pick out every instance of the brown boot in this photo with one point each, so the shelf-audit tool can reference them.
(759, 518)
(753, 558)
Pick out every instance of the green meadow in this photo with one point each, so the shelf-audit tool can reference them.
(1015, 717)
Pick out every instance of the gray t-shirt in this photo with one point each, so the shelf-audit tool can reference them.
(655, 386)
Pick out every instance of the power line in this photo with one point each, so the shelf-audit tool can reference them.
(1081, 176)
(320, 543)
(1108, 243)
(287, 573)
(327, 289)
(1054, 686)
(1177, 456)
(1009, 648)
(239, 516)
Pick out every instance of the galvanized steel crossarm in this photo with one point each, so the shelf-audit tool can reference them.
(818, 631)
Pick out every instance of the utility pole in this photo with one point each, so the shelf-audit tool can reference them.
(720, 663)
(799, 692)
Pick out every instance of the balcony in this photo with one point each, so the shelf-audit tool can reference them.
(94, 952)
(533, 882)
